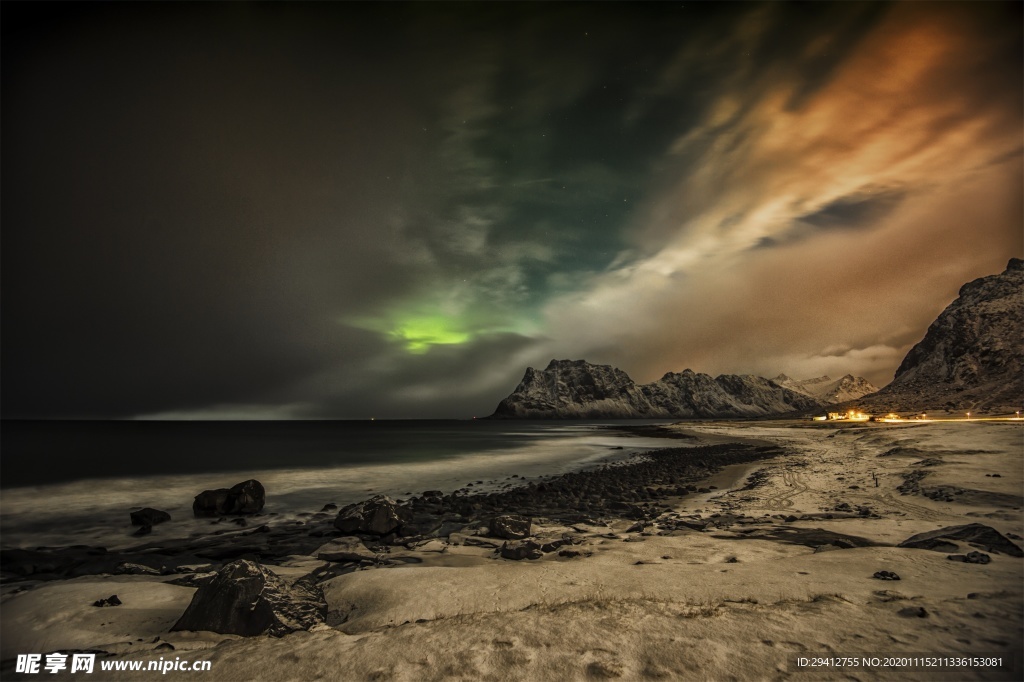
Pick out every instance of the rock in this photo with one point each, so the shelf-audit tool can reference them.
(511, 527)
(112, 600)
(129, 568)
(247, 497)
(380, 515)
(330, 506)
(974, 533)
(521, 549)
(912, 612)
(143, 530)
(971, 558)
(149, 517)
(885, 575)
(247, 599)
(344, 549)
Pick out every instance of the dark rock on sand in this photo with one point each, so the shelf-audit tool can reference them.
(247, 497)
(112, 600)
(521, 549)
(886, 575)
(511, 527)
(244, 598)
(149, 517)
(973, 533)
(912, 612)
(379, 515)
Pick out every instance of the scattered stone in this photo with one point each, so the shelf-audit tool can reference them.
(330, 506)
(143, 530)
(380, 515)
(245, 598)
(247, 497)
(112, 600)
(971, 558)
(149, 517)
(912, 612)
(511, 526)
(974, 533)
(886, 575)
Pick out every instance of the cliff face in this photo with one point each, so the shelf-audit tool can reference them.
(972, 356)
(568, 389)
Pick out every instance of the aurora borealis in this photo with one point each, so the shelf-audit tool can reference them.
(390, 210)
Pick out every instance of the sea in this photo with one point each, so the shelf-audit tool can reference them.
(75, 482)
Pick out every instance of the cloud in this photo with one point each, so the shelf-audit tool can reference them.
(891, 146)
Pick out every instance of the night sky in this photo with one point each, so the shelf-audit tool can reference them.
(230, 210)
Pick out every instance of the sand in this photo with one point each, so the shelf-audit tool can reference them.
(741, 601)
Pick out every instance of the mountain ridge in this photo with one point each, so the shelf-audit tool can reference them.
(577, 389)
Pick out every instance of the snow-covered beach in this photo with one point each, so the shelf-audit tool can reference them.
(775, 562)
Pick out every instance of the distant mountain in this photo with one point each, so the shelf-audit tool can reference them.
(972, 356)
(576, 389)
(826, 390)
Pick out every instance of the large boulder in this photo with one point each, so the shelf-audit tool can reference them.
(973, 533)
(149, 517)
(511, 527)
(248, 497)
(379, 515)
(247, 599)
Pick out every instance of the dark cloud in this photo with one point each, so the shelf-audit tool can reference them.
(855, 211)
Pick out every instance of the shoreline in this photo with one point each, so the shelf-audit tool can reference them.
(732, 581)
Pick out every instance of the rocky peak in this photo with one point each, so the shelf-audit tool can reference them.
(971, 357)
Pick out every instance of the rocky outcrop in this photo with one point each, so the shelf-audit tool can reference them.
(974, 533)
(379, 515)
(247, 599)
(971, 357)
(568, 389)
(247, 497)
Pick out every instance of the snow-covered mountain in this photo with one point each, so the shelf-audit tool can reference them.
(826, 390)
(568, 389)
(972, 356)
